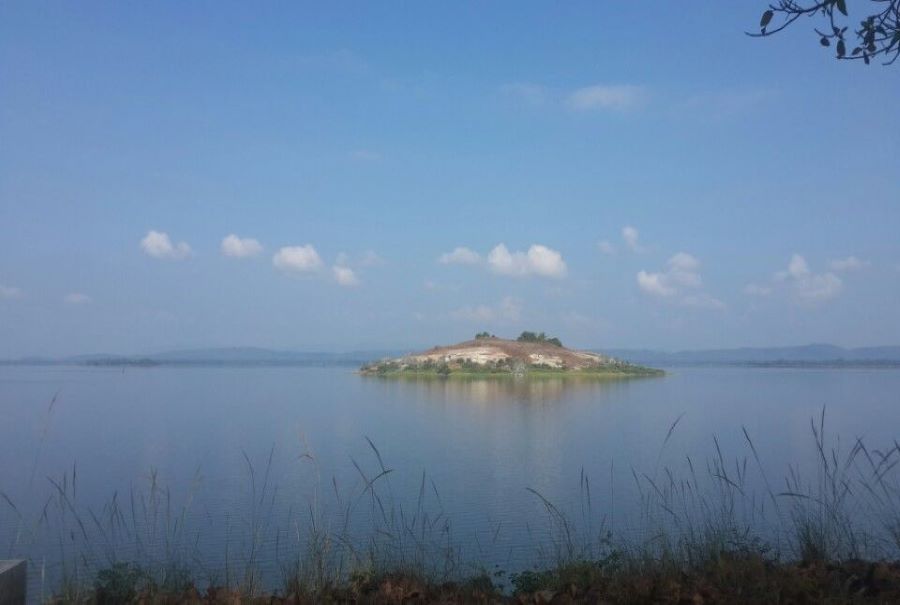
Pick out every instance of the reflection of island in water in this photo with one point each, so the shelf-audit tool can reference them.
(495, 390)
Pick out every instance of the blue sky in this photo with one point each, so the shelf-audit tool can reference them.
(619, 174)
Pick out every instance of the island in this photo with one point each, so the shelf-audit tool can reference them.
(531, 354)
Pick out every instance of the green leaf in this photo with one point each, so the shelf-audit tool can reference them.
(824, 41)
(842, 6)
(766, 17)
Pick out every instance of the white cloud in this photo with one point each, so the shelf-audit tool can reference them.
(343, 272)
(237, 247)
(300, 259)
(683, 270)
(682, 261)
(9, 292)
(345, 276)
(816, 288)
(460, 256)
(808, 287)
(631, 238)
(655, 284)
(546, 262)
(539, 260)
(158, 245)
(606, 248)
(616, 97)
(507, 310)
(680, 283)
(371, 259)
(798, 267)
(851, 263)
(76, 298)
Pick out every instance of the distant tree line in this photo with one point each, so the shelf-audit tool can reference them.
(538, 337)
(525, 337)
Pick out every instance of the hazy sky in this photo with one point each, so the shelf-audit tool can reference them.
(360, 175)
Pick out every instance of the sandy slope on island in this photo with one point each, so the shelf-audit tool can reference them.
(484, 351)
(496, 355)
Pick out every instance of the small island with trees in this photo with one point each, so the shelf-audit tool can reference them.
(531, 354)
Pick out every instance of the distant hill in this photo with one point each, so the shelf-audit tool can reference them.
(227, 356)
(258, 355)
(799, 355)
(813, 354)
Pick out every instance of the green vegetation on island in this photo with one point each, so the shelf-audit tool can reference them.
(539, 337)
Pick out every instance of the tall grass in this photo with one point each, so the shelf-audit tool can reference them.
(852, 510)
(144, 528)
(696, 517)
(415, 540)
(688, 515)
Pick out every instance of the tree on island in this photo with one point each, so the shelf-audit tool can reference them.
(480, 335)
(878, 33)
(539, 337)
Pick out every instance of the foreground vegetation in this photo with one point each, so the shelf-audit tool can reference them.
(737, 578)
(713, 532)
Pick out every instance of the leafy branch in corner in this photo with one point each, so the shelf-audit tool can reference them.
(878, 35)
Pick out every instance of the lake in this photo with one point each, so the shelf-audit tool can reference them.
(102, 436)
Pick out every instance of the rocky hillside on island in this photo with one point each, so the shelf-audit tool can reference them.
(530, 353)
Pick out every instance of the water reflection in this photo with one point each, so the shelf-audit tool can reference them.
(506, 389)
(482, 442)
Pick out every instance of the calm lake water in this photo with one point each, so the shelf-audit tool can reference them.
(480, 444)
